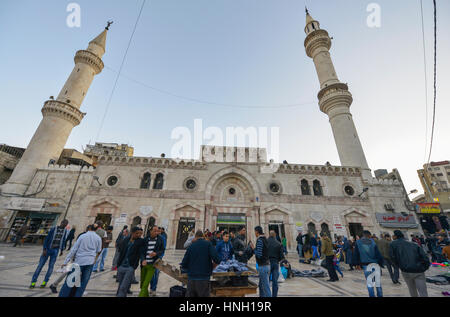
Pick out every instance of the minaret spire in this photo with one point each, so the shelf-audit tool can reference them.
(60, 116)
(334, 97)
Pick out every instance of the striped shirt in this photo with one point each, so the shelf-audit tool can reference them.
(150, 249)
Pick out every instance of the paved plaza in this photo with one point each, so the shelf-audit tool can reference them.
(18, 266)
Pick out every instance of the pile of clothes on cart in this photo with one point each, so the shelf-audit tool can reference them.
(231, 266)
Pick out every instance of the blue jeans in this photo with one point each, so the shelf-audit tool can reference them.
(53, 254)
(315, 252)
(101, 260)
(154, 282)
(372, 289)
(275, 273)
(264, 286)
(67, 291)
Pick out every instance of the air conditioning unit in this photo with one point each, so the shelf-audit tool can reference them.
(389, 207)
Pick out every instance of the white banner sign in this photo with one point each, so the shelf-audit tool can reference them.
(19, 203)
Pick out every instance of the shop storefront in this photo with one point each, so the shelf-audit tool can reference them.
(397, 221)
(230, 222)
(431, 217)
(31, 211)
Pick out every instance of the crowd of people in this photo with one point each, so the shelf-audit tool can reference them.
(396, 254)
(205, 250)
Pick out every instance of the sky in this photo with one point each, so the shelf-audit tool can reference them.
(245, 60)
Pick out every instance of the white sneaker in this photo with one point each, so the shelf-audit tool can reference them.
(85, 293)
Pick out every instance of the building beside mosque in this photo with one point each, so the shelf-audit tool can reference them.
(224, 188)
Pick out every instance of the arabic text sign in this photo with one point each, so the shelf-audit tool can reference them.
(395, 219)
(431, 208)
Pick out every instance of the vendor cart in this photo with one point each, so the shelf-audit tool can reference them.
(221, 285)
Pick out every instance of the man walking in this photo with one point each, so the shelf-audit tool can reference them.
(70, 238)
(129, 256)
(197, 262)
(383, 246)
(154, 282)
(21, 233)
(153, 249)
(84, 254)
(299, 240)
(328, 254)
(276, 255)
(105, 246)
(53, 243)
(242, 252)
(367, 253)
(262, 259)
(412, 261)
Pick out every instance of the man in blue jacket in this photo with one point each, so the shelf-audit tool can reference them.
(367, 253)
(224, 247)
(197, 262)
(53, 243)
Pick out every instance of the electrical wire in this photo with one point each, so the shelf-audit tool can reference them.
(120, 70)
(426, 81)
(435, 77)
(209, 102)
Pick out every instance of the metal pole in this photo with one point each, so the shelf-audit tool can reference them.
(73, 191)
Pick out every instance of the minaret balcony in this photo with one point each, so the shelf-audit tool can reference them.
(63, 110)
(90, 59)
(334, 95)
(315, 40)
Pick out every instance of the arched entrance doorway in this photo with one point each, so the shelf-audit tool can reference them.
(234, 201)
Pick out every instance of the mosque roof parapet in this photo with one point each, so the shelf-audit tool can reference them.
(152, 161)
(375, 181)
(315, 169)
(67, 168)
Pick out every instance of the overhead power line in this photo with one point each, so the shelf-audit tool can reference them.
(200, 101)
(120, 70)
(426, 81)
(435, 81)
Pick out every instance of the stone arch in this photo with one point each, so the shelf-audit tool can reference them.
(279, 214)
(228, 171)
(183, 210)
(104, 205)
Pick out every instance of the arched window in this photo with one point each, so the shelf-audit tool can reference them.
(317, 188)
(325, 229)
(145, 182)
(136, 221)
(312, 228)
(159, 181)
(305, 187)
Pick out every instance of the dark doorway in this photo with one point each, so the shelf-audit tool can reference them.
(184, 227)
(105, 218)
(356, 229)
(279, 230)
(325, 229)
(150, 223)
(136, 221)
(312, 228)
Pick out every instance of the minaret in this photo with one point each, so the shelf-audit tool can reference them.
(334, 97)
(60, 116)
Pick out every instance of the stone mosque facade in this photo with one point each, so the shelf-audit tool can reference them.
(206, 193)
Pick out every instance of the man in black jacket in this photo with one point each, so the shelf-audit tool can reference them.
(129, 256)
(197, 261)
(276, 254)
(412, 261)
(152, 250)
(242, 252)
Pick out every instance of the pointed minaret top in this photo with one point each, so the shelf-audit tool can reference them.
(309, 18)
(311, 24)
(98, 45)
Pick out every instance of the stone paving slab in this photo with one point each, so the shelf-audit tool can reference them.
(19, 265)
